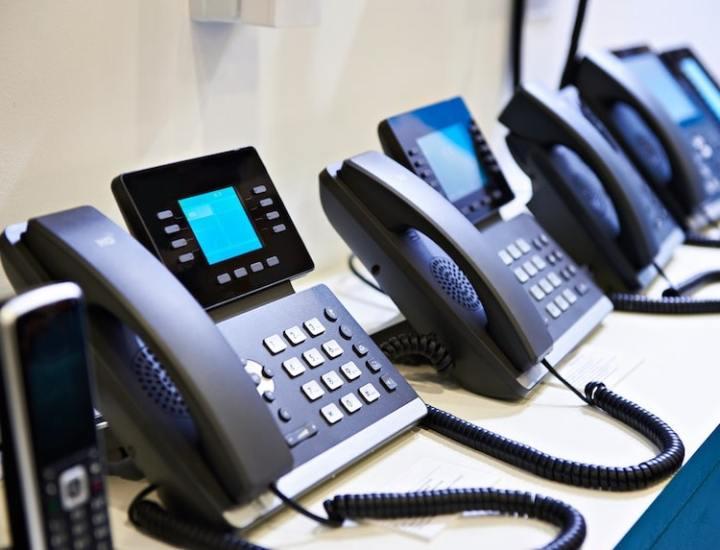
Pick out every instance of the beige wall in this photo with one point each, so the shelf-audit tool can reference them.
(91, 88)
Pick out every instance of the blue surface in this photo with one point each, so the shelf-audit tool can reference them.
(702, 83)
(658, 79)
(687, 512)
(451, 155)
(220, 224)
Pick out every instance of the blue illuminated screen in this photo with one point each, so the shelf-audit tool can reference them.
(663, 86)
(451, 156)
(703, 84)
(220, 224)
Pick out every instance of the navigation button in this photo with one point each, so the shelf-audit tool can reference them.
(185, 258)
(360, 350)
(330, 314)
(374, 365)
(582, 289)
(388, 382)
(164, 214)
(178, 243)
(345, 332)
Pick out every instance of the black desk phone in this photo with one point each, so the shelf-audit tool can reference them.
(501, 295)
(668, 134)
(586, 192)
(285, 392)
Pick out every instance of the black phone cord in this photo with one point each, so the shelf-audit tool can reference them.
(694, 238)
(638, 303)
(569, 472)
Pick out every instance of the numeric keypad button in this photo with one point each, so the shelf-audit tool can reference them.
(332, 349)
(274, 344)
(312, 390)
(350, 403)
(332, 380)
(351, 371)
(331, 413)
(293, 367)
(295, 335)
(369, 393)
(313, 358)
(314, 327)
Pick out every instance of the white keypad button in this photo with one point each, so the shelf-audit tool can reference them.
(505, 257)
(293, 367)
(295, 335)
(521, 275)
(539, 262)
(570, 296)
(537, 292)
(562, 303)
(554, 279)
(523, 245)
(545, 285)
(530, 269)
(514, 251)
(331, 413)
(313, 358)
(332, 380)
(369, 393)
(312, 390)
(350, 402)
(350, 371)
(553, 310)
(274, 344)
(332, 349)
(314, 326)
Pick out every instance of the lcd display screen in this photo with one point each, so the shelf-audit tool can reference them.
(702, 83)
(451, 155)
(52, 349)
(663, 86)
(220, 224)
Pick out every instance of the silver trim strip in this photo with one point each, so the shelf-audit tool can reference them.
(568, 341)
(329, 463)
(10, 312)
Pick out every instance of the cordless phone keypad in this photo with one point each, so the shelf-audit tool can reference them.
(76, 508)
(331, 380)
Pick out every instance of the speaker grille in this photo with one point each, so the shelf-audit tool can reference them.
(157, 384)
(454, 283)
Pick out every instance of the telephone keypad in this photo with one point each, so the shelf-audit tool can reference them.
(523, 245)
(538, 262)
(562, 303)
(530, 269)
(554, 279)
(514, 251)
(505, 256)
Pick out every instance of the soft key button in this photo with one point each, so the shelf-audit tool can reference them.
(185, 258)
(272, 261)
(164, 214)
(178, 243)
(258, 189)
(170, 229)
(266, 202)
(223, 278)
(274, 215)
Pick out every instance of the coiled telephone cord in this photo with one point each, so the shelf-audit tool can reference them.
(694, 238)
(569, 472)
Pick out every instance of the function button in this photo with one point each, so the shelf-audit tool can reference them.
(418, 163)
(412, 152)
(562, 303)
(164, 214)
(521, 275)
(185, 258)
(178, 243)
(74, 490)
(360, 350)
(505, 257)
(554, 279)
(279, 228)
(537, 243)
(293, 367)
(545, 285)
(582, 289)
(314, 326)
(274, 344)
(256, 266)
(369, 393)
(350, 370)
(312, 390)
(95, 468)
(267, 372)
(539, 262)
(258, 189)
(170, 229)
(523, 245)
(274, 215)
(98, 518)
(332, 349)
(223, 278)
(559, 254)
(301, 434)
(537, 292)
(272, 261)
(530, 269)
(295, 335)
(565, 272)
(255, 377)
(331, 413)
(543, 238)
(266, 202)
(330, 314)
(101, 533)
(570, 296)
(313, 358)
(346, 332)
(514, 251)
(97, 503)
(269, 396)
(572, 269)
(240, 272)
(553, 310)
(351, 403)
(332, 380)
(388, 382)
(284, 415)
(374, 365)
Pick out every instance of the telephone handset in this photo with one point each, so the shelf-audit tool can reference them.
(655, 122)
(585, 191)
(445, 276)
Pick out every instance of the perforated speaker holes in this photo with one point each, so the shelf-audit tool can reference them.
(454, 283)
(157, 384)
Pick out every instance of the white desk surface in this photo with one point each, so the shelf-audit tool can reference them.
(678, 381)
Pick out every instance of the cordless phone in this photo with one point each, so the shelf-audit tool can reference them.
(51, 453)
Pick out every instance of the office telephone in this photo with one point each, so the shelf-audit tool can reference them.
(667, 135)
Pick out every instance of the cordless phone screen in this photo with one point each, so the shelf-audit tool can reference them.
(451, 154)
(52, 348)
(221, 225)
(663, 86)
(702, 83)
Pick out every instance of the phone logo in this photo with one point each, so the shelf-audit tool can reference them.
(107, 240)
